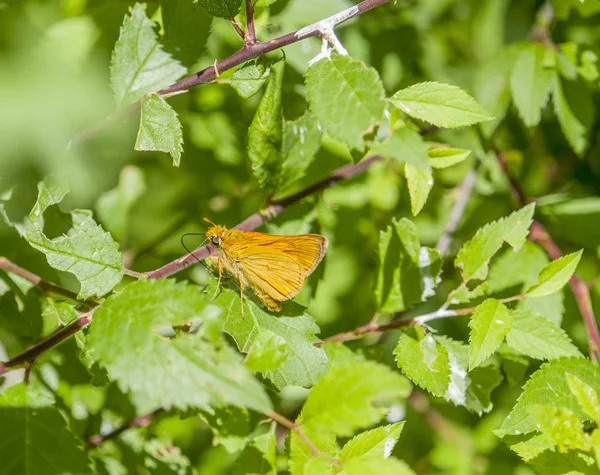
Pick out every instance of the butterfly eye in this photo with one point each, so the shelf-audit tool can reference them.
(215, 240)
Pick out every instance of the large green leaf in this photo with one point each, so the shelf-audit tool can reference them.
(530, 82)
(369, 466)
(474, 256)
(222, 8)
(375, 443)
(160, 369)
(548, 385)
(302, 363)
(86, 251)
(34, 436)
(186, 29)
(555, 275)
(440, 104)
(352, 395)
(425, 361)
(138, 64)
(537, 337)
(404, 146)
(346, 97)
(408, 273)
(265, 134)
(489, 325)
(160, 129)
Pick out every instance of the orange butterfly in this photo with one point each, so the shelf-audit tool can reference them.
(273, 266)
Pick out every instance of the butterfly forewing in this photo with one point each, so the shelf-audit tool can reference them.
(275, 266)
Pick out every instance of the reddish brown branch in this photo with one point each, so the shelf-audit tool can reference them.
(580, 289)
(258, 219)
(237, 28)
(248, 52)
(36, 280)
(28, 357)
(251, 34)
(140, 421)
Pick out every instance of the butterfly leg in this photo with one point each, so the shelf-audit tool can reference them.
(217, 263)
(242, 286)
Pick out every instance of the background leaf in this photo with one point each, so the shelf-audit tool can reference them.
(160, 128)
(443, 105)
(204, 371)
(139, 65)
(346, 97)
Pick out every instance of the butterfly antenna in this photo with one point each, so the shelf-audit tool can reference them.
(190, 252)
(209, 221)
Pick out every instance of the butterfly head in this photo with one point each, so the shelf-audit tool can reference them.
(216, 233)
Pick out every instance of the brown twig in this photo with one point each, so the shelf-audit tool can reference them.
(139, 421)
(28, 357)
(250, 38)
(374, 327)
(581, 291)
(45, 286)
(285, 422)
(248, 52)
(237, 28)
(258, 219)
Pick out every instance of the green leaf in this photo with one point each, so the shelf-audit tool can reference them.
(443, 157)
(86, 251)
(301, 142)
(160, 129)
(160, 369)
(301, 458)
(548, 385)
(375, 443)
(258, 457)
(139, 65)
(230, 426)
(186, 29)
(555, 275)
(474, 256)
(539, 338)
(408, 273)
(249, 78)
(532, 447)
(351, 396)
(561, 427)
(304, 363)
(489, 325)
(471, 389)
(573, 107)
(570, 463)
(34, 437)
(222, 8)
(346, 97)
(50, 192)
(586, 397)
(425, 361)
(265, 134)
(442, 105)
(114, 206)
(404, 146)
(419, 185)
(369, 466)
(316, 466)
(530, 82)
(268, 351)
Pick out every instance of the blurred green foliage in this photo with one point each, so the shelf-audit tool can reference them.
(531, 64)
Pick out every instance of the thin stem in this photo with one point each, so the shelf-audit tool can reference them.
(139, 421)
(247, 53)
(258, 219)
(580, 290)
(374, 327)
(28, 357)
(36, 280)
(237, 28)
(315, 452)
(465, 190)
(250, 38)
